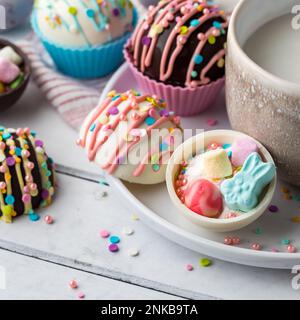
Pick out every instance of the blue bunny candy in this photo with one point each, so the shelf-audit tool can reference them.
(243, 190)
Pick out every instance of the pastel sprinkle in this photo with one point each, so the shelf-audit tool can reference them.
(295, 219)
(189, 267)
(146, 41)
(150, 121)
(34, 217)
(113, 247)
(73, 284)
(194, 74)
(128, 231)
(194, 23)
(217, 24)
(273, 208)
(135, 217)
(104, 233)
(113, 110)
(114, 239)
(81, 295)
(285, 241)
(133, 252)
(211, 40)
(156, 167)
(258, 231)
(296, 197)
(198, 59)
(212, 122)
(205, 262)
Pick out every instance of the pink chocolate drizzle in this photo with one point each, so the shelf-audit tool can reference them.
(138, 117)
(159, 17)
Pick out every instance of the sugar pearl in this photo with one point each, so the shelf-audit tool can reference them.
(73, 284)
(291, 248)
(256, 246)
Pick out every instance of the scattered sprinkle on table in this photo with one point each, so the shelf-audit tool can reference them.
(212, 122)
(295, 219)
(205, 262)
(274, 250)
(285, 189)
(273, 208)
(128, 231)
(291, 248)
(285, 241)
(48, 219)
(73, 284)
(135, 217)
(104, 233)
(296, 197)
(81, 295)
(113, 247)
(258, 231)
(256, 246)
(114, 239)
(189, 267)
(34, 217)
(133, 252)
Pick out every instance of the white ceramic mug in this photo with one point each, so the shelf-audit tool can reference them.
(259, 103)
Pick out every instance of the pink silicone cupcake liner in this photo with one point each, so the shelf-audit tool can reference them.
(184, 102)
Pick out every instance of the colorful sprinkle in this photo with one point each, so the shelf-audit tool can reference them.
(133, 252)
(285, 241)
(34, 217)
(114, 239)
(291, 248)
(73, 284)
(135, 217)
(295, 219)
(128, 231)
(194, 23)
(113, 247)
(156, 167)
(212, 122)
(150, 121)
(273, 208)
(205, 262)
(48, 219)
(258, 231)
(104, 234)
(146, 41)
(198, 59)
(256, 246)
(189, 267)
(81, 295)
(211, 40)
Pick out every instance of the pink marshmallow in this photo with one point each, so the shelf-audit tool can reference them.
(8, 71)
(241, 149)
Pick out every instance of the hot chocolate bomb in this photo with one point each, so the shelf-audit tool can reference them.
(181, 43)
(26, 174)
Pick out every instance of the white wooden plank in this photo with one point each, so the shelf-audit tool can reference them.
(74, 240)
(28, 278)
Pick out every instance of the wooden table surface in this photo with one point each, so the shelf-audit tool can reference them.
(38, 260)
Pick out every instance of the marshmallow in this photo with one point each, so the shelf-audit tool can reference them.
(241, 149)
(10, 54)
(204, 198)
(215, 164)
(8, 71)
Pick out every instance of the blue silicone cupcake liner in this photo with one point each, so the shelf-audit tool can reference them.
(86, 63)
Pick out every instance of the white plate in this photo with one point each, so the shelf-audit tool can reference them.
(153, 205)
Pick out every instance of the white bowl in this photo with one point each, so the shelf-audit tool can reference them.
(194, 146)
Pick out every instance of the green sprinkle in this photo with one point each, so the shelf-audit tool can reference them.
(205, 262)
(258, 231)
(296, 197)
(285, 241)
